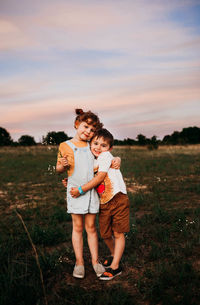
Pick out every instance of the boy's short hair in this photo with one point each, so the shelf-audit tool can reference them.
(105, 134)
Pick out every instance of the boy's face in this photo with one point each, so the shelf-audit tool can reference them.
(99, 145)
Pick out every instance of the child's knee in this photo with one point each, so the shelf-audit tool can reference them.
(90, 228)
(77, 227)
(118, 235)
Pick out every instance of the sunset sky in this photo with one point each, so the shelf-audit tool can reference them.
(135, 63)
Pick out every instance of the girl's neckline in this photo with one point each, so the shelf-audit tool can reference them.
(79, 143)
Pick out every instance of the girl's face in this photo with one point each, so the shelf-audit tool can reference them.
(85, 131)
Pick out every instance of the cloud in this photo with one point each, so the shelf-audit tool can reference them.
(130, 61)
(93, 25)
(12, 37)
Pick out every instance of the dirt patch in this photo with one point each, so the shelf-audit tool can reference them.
(3, 194)
(23, 205)
(141, 213)
(134, 187)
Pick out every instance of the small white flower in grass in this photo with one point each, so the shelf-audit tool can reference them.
(60, 259)
(51, 169)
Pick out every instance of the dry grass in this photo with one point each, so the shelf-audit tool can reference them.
(161, 260)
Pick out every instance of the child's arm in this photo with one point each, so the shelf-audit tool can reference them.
(88, 186)
(64, 182)
(116, 163)
(62, 165)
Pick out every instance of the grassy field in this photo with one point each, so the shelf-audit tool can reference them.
(161, 263)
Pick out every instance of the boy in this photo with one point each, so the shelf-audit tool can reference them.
(114, 207)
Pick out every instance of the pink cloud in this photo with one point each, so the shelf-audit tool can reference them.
(12, 36)
(136, 26)
(153, 74)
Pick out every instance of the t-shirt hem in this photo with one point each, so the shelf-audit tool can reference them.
(125, 193)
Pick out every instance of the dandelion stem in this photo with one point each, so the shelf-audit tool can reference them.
(36, 255)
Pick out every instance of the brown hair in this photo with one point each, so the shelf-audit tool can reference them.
(106, 135)
(89, 117)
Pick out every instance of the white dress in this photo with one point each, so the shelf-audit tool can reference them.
(83, 173)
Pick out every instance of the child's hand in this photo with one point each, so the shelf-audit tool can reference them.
(116, 163)
(74, 192)
(64, 182)
(64, 161)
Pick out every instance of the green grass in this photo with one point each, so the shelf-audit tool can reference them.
(161, 258)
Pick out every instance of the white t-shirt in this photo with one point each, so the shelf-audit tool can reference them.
(113, 182)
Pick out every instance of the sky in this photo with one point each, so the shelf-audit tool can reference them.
(135, 63)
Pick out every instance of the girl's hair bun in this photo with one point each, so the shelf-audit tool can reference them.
(79, 111)
(88, 117)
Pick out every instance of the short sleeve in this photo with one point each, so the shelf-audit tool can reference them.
(65, 150)
(104, 161)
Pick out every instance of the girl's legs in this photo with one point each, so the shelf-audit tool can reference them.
(77, 237)
(92, 236)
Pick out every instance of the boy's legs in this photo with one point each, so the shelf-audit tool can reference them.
(118, 250)
(118, 212)
(92, 236)
(105, 228)
(77, 237)
(110, 243)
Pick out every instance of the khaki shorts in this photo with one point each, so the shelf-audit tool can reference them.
(114, 216)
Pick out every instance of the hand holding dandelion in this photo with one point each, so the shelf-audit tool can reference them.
(64, 161)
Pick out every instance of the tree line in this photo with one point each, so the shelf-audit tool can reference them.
(189, 135)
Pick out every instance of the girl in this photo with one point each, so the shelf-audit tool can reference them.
(75, 156)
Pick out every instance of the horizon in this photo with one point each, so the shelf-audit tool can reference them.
(160, 139)
(134, 63)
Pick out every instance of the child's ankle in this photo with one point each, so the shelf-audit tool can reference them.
(114, 267)
(79, 263)
(95, 262)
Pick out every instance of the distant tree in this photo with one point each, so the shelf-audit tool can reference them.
(129, 141)
(153, 143)
(14, 143)
(175, 138)
(118, 142)
(55, 138)
(191, 135)
(26, 140)
(142, 140)
(5, 138)
(166, 139)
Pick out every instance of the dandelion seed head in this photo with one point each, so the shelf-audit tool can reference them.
(51, 169)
